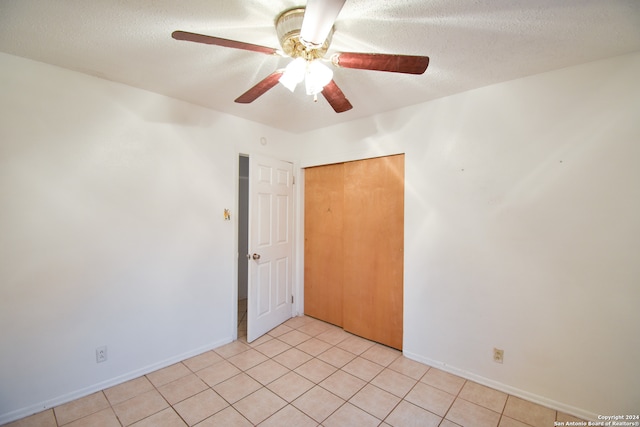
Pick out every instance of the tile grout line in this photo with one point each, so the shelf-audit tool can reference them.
(402, 398)
(457, 395)
(369, 382)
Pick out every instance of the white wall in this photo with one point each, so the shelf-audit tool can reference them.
(522, 231)
(111, 231)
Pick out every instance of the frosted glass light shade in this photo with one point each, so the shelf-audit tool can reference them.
(294, 73)
(317, 77)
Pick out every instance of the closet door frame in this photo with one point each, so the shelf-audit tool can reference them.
(370, 255)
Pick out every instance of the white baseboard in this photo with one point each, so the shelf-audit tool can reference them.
(68, 397)
(541, 400)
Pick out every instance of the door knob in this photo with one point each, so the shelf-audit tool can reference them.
(256, 256)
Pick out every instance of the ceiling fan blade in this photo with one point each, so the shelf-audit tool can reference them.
(336, 98)
(382, 62)
(319, 16)
(258, 90)
(201, 38)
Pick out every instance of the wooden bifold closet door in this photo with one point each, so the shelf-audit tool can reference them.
(354, 240)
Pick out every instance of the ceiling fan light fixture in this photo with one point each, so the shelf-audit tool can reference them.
(317, 77)
(294, 73)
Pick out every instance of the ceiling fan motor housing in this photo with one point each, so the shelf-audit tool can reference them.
(288, 25)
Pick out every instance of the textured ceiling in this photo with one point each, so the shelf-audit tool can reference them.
(471, 43)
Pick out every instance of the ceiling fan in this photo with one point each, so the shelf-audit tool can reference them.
(305, 35)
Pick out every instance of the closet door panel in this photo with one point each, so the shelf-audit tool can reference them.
(323, 232)
(373, 245)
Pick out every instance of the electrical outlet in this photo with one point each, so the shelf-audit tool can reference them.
(101, 354)
(498, 355)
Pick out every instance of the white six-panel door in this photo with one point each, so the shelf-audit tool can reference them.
(270, 244)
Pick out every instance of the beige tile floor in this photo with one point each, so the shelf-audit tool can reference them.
(302, 373)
